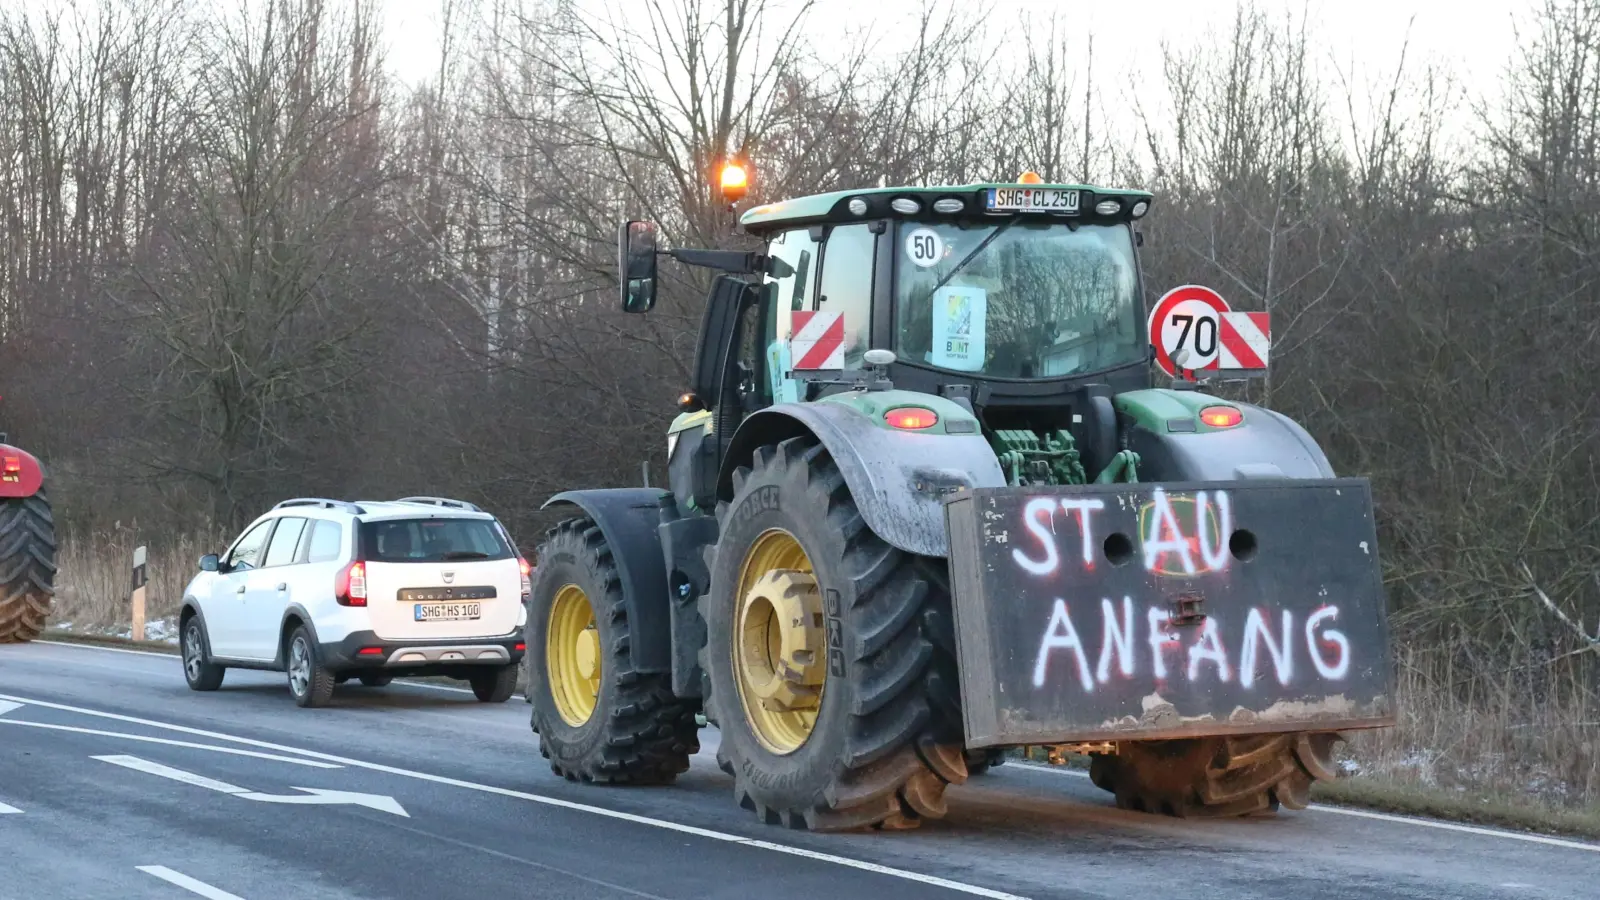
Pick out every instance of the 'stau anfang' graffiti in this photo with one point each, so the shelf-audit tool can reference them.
(1178, 535)
(1266, 644)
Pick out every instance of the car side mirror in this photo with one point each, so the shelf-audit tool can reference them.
(636, 252)
(209, 563)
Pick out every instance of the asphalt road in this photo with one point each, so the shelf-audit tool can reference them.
(117, 781)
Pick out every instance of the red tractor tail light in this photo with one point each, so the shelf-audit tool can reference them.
(350, 585)
(11, 468)
(1221, 416)
(911, 418)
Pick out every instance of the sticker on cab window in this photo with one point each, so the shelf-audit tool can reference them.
(959, 316)
(925, 247)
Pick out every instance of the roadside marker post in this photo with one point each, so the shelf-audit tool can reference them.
(140, 578)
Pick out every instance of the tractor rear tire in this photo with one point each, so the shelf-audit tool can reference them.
(27, 567)
(612, 725)
(1217, 777)
(881, 745)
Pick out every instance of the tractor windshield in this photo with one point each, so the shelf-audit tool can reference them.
(1017, 299)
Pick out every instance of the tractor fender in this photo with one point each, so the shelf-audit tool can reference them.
(628, 517)
(1268, 444)
(24, 467)
(899, 479)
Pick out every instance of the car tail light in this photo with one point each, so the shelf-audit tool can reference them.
(527, 580)
(521, 647)
(1221, 416)
(370, 651)
(911, 418)
(350, 585)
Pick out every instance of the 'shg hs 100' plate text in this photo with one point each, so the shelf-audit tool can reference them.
(447, 612)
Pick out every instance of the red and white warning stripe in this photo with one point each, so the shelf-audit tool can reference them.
(1245, 339)
(818, 340)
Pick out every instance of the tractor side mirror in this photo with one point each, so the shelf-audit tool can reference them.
(636, 251)
(209, 563)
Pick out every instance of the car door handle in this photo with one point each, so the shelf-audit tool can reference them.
(239, 589)
(283, 586)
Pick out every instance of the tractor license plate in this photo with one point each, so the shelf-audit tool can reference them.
(1033, 199)
(448, 612)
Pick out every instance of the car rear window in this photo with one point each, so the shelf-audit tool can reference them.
(432, 540)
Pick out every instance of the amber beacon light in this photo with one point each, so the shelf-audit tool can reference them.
(734, 182)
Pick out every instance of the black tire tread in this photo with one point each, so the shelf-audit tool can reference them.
(903, 745)
(211, 674)
(650, 732)
(496, 686)
(320, 692)
(27, 567)
(1217, 777)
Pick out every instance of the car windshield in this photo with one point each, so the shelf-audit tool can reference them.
(1017, 299)
(432, 540)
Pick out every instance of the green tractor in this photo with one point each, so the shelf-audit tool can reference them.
(926, 504)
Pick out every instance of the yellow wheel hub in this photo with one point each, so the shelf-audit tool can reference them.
(572, 655)
(779, 651)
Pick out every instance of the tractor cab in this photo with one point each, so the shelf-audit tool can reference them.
(1020, 302)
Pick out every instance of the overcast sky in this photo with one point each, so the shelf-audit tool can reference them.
(1362, 39)
(1370, 32)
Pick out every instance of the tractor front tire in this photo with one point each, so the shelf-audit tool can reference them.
(598, 719)
(826, 665)
(1217, 777)
(27, 567)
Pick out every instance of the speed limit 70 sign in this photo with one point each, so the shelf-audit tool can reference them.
(1193, 330)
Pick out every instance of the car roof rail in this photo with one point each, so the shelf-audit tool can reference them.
(441, 501)
(322, 502)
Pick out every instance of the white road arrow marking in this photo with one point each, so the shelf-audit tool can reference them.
(192, 885)
(155, 768)
(7, 706)
(317, 796)
(321, 795)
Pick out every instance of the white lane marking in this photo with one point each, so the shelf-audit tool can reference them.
(7, 706)
(176, 743)
(935, 881)
(155, 768)
(172, 656)
(9, 810)
(318, 796)
(192, 885)
(322, 796)
(420, 684)
(1465, 829)
(1386, 817)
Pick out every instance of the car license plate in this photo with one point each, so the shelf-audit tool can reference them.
(447, 612)
(1034, 199)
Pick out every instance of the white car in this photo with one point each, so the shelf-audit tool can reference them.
(329, 590)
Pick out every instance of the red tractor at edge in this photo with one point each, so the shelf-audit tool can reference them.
(27, 546)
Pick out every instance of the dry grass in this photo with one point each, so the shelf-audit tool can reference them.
(1496, 739)
(95, 578)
